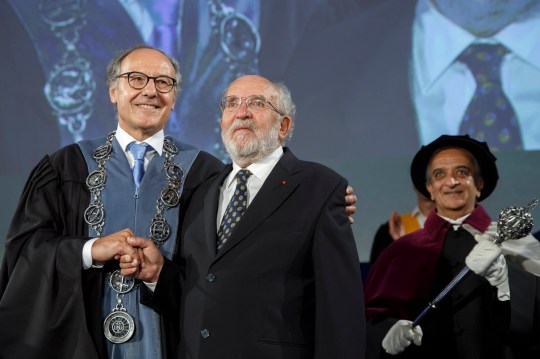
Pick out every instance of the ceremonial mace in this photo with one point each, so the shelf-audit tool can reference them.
(513, 223)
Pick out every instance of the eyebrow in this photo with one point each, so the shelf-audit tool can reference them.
(144, 73)
(245, 96)
(467, 167)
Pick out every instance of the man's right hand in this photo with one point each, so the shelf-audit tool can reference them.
(113, 246)
(150, 260)
(395, 226)
(400, 336)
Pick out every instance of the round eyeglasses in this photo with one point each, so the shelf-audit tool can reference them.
(138, 81)
(255, 103)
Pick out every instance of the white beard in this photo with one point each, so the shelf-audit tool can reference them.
(243, 149)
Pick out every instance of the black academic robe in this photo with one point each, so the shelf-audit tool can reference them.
(49, 306)
(471, 322)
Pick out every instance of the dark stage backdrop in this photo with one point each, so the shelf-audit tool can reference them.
(347, 62)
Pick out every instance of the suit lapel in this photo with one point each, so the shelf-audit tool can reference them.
(279, 185)
(210, 207)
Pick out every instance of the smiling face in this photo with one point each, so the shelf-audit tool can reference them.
(142, 113)
(452, 183)
(247, 134)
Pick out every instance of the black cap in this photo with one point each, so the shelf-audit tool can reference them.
(480, 151)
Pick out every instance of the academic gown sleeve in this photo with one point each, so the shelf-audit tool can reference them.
(44, 296)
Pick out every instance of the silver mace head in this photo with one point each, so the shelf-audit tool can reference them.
(515, 222)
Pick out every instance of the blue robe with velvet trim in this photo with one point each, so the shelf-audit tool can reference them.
(49, 306)
(129, 207)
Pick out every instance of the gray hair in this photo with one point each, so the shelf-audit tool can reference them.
(113, 69)
(285, 105)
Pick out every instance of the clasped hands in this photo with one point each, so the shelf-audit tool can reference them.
(137, 256)
(146, 264)
(141, 258)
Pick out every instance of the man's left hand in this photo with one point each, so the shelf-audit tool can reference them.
(350, 203)
(486, 259)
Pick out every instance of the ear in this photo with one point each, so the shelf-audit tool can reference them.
(286, 123)
(479, 187)
(221, 122)
(112, 94)
(429, 187)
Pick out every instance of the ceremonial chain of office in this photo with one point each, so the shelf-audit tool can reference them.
(119, 326)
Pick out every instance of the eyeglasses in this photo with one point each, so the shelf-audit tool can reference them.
(254, 103)
(138, 81)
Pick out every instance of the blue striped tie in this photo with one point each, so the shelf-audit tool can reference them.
(138, 150)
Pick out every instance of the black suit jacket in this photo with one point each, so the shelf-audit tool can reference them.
(286, 284)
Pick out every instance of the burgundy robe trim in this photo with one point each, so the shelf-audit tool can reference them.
(399, 284)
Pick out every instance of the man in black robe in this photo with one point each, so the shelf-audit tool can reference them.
(51, 298)
(491, 314)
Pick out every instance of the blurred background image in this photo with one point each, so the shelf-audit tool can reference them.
(373, 80)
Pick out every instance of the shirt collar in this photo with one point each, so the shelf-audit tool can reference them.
(156, 140)
(260, 168)
(455, 222)
(523, 39)
(438, 42)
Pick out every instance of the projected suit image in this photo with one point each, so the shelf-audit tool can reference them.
(404, 72)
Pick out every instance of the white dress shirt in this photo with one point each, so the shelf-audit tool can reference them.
(442, 87)
(156, 142)
(260, 171)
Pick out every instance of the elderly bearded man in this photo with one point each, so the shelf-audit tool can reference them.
(285, 282)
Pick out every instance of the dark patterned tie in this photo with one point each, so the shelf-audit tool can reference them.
(490, 116)
(138, 150)
(235, 208)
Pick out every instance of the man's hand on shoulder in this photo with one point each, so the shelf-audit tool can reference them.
(350, 203)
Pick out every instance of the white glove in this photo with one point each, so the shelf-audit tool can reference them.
(486, 259)
(492, 229)
(483, 254)
(497, 272)
(400, 336)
